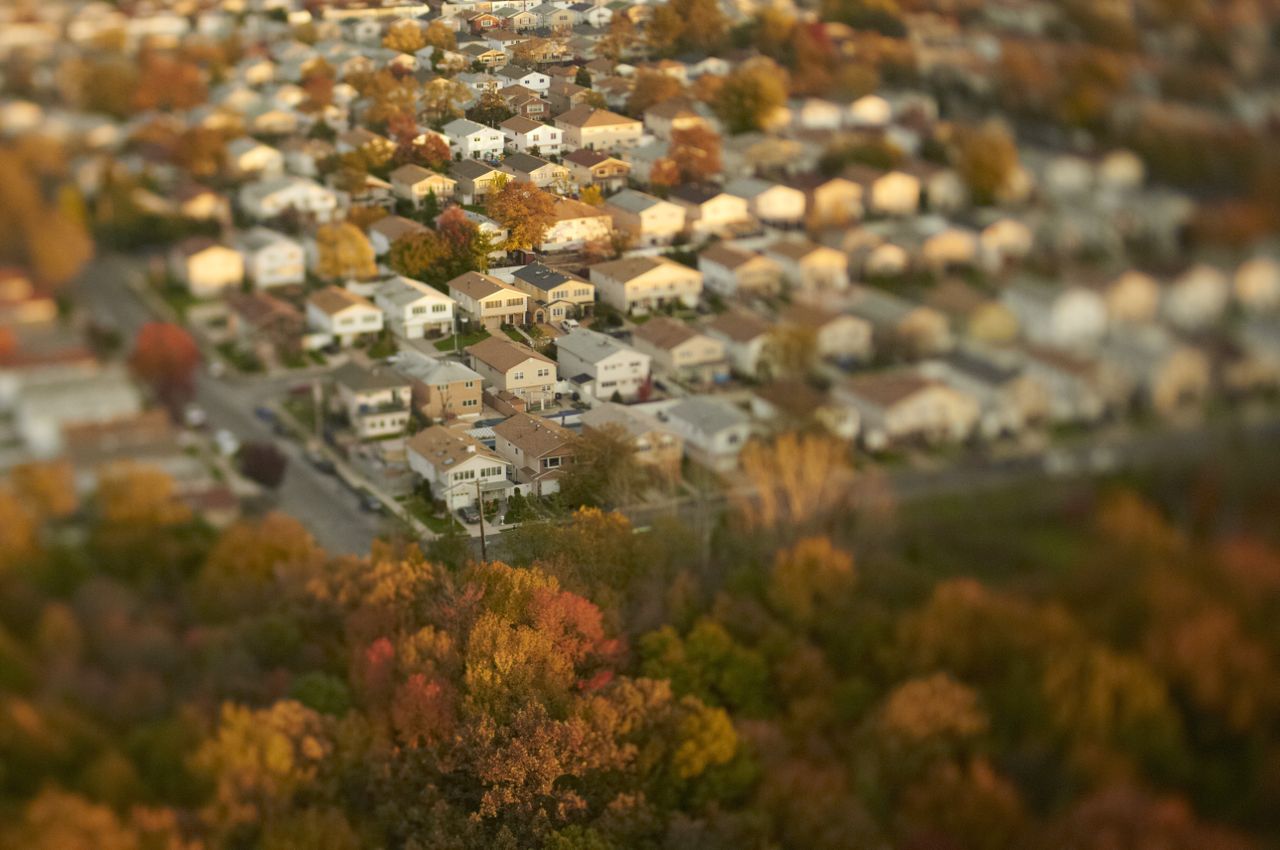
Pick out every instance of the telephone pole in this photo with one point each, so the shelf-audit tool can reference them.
(484, 552)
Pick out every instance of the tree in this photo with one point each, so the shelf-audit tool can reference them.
(604, 469)
(344, 252)
(751, 95)
(680, 26)
(651, 88)
(19, 533)
(389, 96)
(166, 357)
(797, 481)
(442, 100)
(263, 463)
(405, 36)
(696, 153)
(591, 195)
(810, 576)
(986, 158)
(47, 488)
(491, 109)
(582, 77)
(440, 36)
(422, 256)
(524, 210)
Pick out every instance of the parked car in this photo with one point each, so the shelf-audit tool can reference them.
(226, 442)
(265, 413)
(469, 514)
(371, 503)
(317, 459)
(193, 416)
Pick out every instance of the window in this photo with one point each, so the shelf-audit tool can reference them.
(544, 373)
(439, 308)
(418, 311)
(469, 402)
(469, 384)
(551, 462)
(514, 302)
(518, 376)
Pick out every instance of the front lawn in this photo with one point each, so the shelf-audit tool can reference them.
(464, 340)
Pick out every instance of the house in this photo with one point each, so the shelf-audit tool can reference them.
(1078, 390)
(442, 389)
(535, 81)
(730, 271)
(525, 135)
(576, 225)
(601, 366)
(267, 199)
(890, 193)
(457, 467)
(903, 406)
(746, 337)
(206, 268)
(654, 445)
(646, 283)
(646, 220)
(1166, 375)
(913, 329)
(1008, 398)
(489, 302)
(527, 168)
(412, 309)
(476, 180)
(594, 168)
(829, 201)
(390, 229)
(342, 314)
(680, 350)
(482, 22)
(1256, 284)
(414, 183)
(772, 203)
(557, 296)
(538, 449)
(835, 336)
(809, 268)
(267, 326)
(711, 211)
(793, 406)
(518, 375)
(973, 313)
(271, 258)
(487, 56)
(677, 113)
(375, 399)
(1131, 297)
(248, 157)
(474, 140)
(598, 129)
(1197, 298)
(565, 94)
(714, 430)
(1062, 316)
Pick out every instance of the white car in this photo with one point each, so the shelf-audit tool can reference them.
(193, 416)
(228, 444)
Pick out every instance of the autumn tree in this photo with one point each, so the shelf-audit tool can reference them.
(421, 256)
(440, 36)
(696, 153)
(166, 357)
(405, 36)
(263, 463)
(687, 25)
(19, 532)
(48, 488)
(344, 252)
(651, 87)
(524, 210)
(750, 96)
(604, 470)
(796, 481)
(389, 96)
(442, 100)
(986, 158)
(42, 217)
(811, 576)
(490, 109)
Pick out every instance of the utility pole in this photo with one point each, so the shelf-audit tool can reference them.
(484, 552)
(317, 403)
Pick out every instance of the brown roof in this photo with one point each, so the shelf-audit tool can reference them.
(629, 268)
(664, 332)
(583, 115)
(590, 158)
(888, 388)
(793, 249)
(477, 285)
(807, 315)
(394, 226)
(534, 435)
(503, 354)
(443, 447)
(568, 208)
(334, 299)
(793, 397)
(739, 326)
(955, 297)
(729, 256)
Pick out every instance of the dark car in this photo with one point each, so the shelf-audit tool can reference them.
(320, 462)
(264, 413)
(371, 503)
(469, 514)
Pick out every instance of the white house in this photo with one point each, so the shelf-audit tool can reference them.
(646, 283)
(205, 267)
(456, 466)
(266, 199)
(771, 203)
(524, 135)
(601, 366)
(247, 156)
(414, 310)
(1062, 316)
(713, 429)
(575, 226)
(647, 220)
(342, 314)
(271, 258)
(474, 140)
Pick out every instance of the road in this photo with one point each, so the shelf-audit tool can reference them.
(329, 510)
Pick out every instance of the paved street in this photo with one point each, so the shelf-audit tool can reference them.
(328, 508)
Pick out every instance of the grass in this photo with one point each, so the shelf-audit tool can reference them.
(239, 360)
(303, 409)
(423, 511)
(464, 340)
(514, 335)
(316, 357)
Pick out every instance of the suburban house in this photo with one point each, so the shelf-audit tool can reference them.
(794, 405)
(414, 310)
(730, 271)
(476, 179)
(646, 283)
(267, 199)
(414, 183)
(1057, 315)
(1131, 297)
(646, 220)
(206, 268)
(601, 366)
(1256, 284)
(538, 449)
(711, 211)
(680, 350)
(456, 466)
(771, 203)
(518, 375)
(527, 168)
(489, 302)
(1197, 298)
(809, 268)
(342, 314)
(442, 389)
(973, 313)
(1165, 375)
(576, 225)
(1008, 398)
(909, 327)
(271, 258)
(557, 296)
(594, 168)
(829, 201)
(520, 76)
(598, 129)
(474, 140)
(714, 430)
(389, 229)
(891, 193)
(746, 337)
(268, 327)
(655, 445)
(248, 157)
(376, 399)
(837, 336)
(901, 406)
(677, 113)
(525, 135)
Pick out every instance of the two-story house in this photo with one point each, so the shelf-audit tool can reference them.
(476, 180)
(646, 283)
(598, 129)
(375, 399)
(414, 183)
(646, 220)
(601, 366)
(711, 211)
(538, 449)
(271, 258)
(487, 301)
(557, 296)
(527, 168)
(524, 135)
(474, 140)
(442, 389)
(414, 310)
(457, 467)
(730, 271)
(809, 268)
(595, 168)
(681, 351)
(576, 225)
(518, 375)
(654, 445)
(342, 314)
